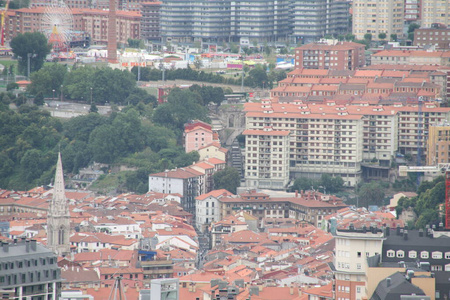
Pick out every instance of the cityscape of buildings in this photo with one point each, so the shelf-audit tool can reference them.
(359, 112)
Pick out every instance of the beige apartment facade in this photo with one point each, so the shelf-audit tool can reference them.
(267, 158)
(435, 11)
(375, 17)
(438, 144)
(353, 247)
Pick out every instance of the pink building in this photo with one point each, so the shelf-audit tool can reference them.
(196, 135)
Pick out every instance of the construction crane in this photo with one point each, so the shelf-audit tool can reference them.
(117, 291)
(3, 22)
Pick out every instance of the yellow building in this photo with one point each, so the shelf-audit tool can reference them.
(375, 17)
(435, 11)
(438, 145)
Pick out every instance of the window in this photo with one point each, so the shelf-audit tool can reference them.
(390, 253)
(400, 253)
(447, 255)
(358, 266)
(412, 254)
(424, 254)
(436, 255)
(358, 254)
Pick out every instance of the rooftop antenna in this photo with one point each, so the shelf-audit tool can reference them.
(117, 289)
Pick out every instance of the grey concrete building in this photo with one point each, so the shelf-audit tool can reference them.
(313, 19)
(224, 21)
(28, 270)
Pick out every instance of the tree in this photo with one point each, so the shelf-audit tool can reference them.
(382, 35)
(93, 108)
(181, 106)
(198, 63)
(47, 79)
(411, 28)
(228, 179)
(394, 37)
(371, 194)
(39, 99)
(304, 184)
(368, 36)
(12, 86)
(32, 46)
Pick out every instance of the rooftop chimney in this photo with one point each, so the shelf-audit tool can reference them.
(388, 282)
(27, 246)
(5, 247)
(405, 235)
(420, 232)
(33, 245)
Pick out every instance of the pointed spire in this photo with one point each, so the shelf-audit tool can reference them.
(59, 202)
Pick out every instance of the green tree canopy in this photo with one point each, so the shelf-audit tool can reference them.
(181, 106)
(228, 179)
(32, 44)
(47, 79)
(371, 194)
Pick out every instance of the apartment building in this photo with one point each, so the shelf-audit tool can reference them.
(413, 10)
(375, 17)
(187, 182)
(324, 140)
(435, 11)
(150, 21)
(29, 270)
(224, 21)
(94, 22)
(207, 208)
(440, 37)
(197, 134)
(310, 206)
(334, 55)
(353, 247)
(411, 57)
(411, 122)
(267, 158)
(312, 19)
(438, 144)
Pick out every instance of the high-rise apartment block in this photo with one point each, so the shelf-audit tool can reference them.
(267, 158)
(336, 139)
(150, 21)
(261, 21)
(313, 19)
(375, 17)
(435, 11)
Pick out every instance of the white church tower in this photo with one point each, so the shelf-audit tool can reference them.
(58, 218)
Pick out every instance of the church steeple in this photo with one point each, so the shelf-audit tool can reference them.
(58, 218)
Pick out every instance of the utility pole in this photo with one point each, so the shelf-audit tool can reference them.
(28, 69)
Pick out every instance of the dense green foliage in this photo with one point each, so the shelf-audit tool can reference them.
(181, 106)
(228, 179)
(326, 183)
(430, 195)
(371, 193)
(30, 140)
(101, 85)
(33, 44)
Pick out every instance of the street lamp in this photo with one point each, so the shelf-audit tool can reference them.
(161, 66)
(53, 94)
(91, 96)
(28, 65)
(62, 95)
